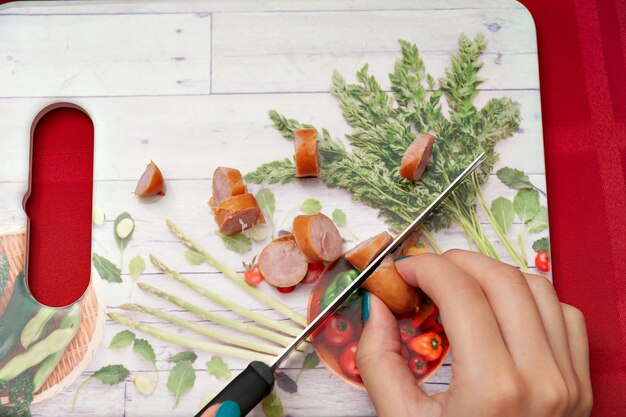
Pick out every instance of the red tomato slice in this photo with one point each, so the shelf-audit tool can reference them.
(347, 360)
(253, 276)
(314, 272)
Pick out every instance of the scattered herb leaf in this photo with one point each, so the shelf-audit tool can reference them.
(285, 383)
(311, 360)
(272, 406)
(282, 171)
(124, 228)
(111, 374)
(514, 178)
(237, 242)
(526, 204)
(181, 380)
(136, 267)
(183, 356)
(339, 217)
(123, 339)
(267, 202)
(218, 368)
(194, 258)
(539, 223)
(144, 349)
(207, 399)
(502, 210)
(541, 245)
(107, 270)
(311, 206)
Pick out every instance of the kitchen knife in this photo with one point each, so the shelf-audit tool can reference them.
(255, 382)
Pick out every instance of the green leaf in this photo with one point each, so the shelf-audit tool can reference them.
(4, 273)
(123, 230)
(97, 216)
(183, 356)
(311, 206)
(286, 383)
(121, 340)
(144, 349)
(311, 360)
(339, 217)
(276, 172)
(272, 406)
(111, 374)
(181, 380)
(539, 223)
(514, 178)
(194, 258)
(267, 202)
(526, 204)
(107, 270)
(136, 267)
(237, 242)
(218, 368)
(541, 245)
(502, 210)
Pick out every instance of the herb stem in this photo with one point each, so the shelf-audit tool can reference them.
(430, 238)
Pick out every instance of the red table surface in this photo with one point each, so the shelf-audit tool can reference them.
(582, 50)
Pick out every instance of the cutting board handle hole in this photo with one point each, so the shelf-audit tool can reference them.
(59, 205)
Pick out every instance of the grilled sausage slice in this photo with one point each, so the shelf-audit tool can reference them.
(227, 182)
(307, 158)
(282, 263)
(318, 237)
(237, 213)
(365, 252)
(416, 157)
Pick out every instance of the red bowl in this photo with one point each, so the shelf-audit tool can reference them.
(328, 354)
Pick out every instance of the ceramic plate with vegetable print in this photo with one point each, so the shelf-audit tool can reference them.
(231, 221)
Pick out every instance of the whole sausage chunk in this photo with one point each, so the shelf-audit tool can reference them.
(388, 285)
(227, 182)
(365, 252)
(282, 263)
(416, 157)
(307, 158)
(237, 213)
(318, 237)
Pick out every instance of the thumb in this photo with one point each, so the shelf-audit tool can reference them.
(385, 373)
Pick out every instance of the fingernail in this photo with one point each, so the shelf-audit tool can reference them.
(229, 409)
(403, 257)
(366, 306)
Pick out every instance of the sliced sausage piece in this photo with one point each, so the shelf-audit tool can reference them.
(151, 181)
(282, 263)
(307, 164)
(388, 285)
(365, 252)
(416, 157)
(227, 182)
(237, 213)
(408, 243)
(318, 237)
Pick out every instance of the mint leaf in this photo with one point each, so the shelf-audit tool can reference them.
(111, 374)
(218, 368)
(514, 178)
(526, 204)
(339, 217)
(541, 245)
(124, 228)
(539, 223)
(267, 202)
(181, 380)
(144, 349)
(502, 210)
(121, 340)
(237, 242)
(106, 269)
(183, 356)
(311, 206)
(272, 406)
(194, 258)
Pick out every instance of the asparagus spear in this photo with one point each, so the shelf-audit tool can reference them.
(237, 308)
(238, 279)
(191, 342)
(224, 337)
(218, 318)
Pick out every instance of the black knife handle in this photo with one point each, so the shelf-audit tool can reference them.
(248, 388)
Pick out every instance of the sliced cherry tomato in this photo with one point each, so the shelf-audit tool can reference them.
(347, 360)
(253, 276)
(314, 272)
(338, 331)
(407, 332)
(418, 366)
(286, 290)
(428, 345)
(542, 261)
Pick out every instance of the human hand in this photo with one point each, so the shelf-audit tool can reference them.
(225, 409)
(518, 351)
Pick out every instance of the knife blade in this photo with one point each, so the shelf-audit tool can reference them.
(255, 382)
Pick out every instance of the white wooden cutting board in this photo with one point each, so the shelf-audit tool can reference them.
(188, 85)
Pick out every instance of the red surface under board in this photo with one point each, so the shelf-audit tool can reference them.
(582, 50)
